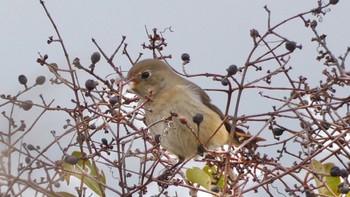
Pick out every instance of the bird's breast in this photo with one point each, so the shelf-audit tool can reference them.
(177, 136)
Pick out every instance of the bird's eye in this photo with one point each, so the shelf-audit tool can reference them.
(145, 75)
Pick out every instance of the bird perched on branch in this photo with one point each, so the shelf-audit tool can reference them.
(194, 121)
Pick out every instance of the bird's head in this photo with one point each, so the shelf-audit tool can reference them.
(150, 75)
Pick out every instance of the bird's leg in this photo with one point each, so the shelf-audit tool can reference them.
(181, 160)
(169, 172)
(200, 150)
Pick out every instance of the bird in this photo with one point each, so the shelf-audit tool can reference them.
(163, 92)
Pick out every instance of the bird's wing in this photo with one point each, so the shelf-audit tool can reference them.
(207, 102)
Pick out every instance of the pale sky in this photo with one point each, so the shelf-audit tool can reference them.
(215, 34)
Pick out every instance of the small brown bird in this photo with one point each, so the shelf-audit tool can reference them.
(173, 94)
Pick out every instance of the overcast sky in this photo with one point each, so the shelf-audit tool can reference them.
(215, 34)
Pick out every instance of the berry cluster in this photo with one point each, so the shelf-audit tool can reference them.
(343, 187)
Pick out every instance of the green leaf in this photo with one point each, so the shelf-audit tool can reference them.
(76, 171)
(220, 182)
(331, 182)
(196, 175)
(103, 177)
(209, 170)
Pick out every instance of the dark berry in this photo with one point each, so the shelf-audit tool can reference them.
(57, 184)
(215, 188)
(200, 150)
(92, 126)
(71, 159)
(40, 80)
(278, 131)
(294, 94)
(30, 147)
(344, 173)
(95, 57)
(197, 118)
(185, 57)
(82, 137)
(304, 102)
(344, 190)
(308, 193)
(341, 185)
(224, 81)
(157, 138)
(313, 24)
(315, 97)
(335, 171)
(291, 46)
(231, 70)
(90, 84)
(27, 159)
(104, 141)
(113, 100)
(22, 79)
(54, 66)
(325, 125)
(27, 105)
(333, 2)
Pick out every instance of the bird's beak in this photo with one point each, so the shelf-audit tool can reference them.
(133, 85)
